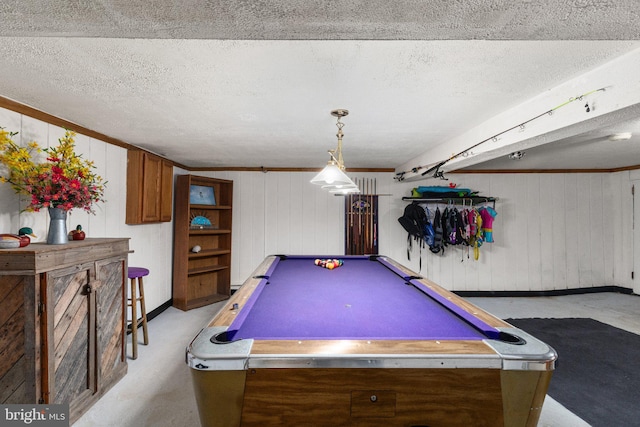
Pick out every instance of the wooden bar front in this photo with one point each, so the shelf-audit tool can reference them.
(62, 322)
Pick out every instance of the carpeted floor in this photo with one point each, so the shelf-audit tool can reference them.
(598, 371)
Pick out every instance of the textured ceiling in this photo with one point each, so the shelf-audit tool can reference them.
(252, 83)
(325, 20)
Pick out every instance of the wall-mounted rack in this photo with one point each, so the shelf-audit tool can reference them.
(472, 200)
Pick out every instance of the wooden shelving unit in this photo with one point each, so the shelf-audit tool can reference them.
(202, 277)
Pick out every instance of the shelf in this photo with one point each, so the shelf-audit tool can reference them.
(201, 302)
(455, 200)
(208, 253)
(210, 207)
(196, 231)
(203, 270)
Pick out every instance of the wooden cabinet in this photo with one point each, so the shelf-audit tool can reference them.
(149, 188)
(203, 210)
(62, 322)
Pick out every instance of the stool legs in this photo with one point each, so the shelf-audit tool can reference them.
(145, 334)
(134, 319)
(134, 315)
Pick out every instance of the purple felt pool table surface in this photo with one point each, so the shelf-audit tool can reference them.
(365, 298)
(368, 344)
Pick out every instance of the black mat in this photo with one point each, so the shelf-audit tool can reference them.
(597, 375)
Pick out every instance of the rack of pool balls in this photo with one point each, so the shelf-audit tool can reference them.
(328, 263)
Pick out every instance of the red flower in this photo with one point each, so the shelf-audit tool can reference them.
(64, 181)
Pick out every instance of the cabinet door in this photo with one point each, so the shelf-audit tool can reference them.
(16, 373)
(152, 185)
(149, 188)
(110, 320)
(69, 364)
(166, 204)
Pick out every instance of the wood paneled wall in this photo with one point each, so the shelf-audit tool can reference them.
(553, 231)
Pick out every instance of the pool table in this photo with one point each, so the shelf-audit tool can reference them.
(369, 343)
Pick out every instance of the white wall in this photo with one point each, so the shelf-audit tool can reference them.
(553, 231)
(634, 176)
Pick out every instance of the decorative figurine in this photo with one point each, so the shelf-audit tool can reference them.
(77, 234)
(24, 234)
(200, 221)
(20, 240)
(9, 241)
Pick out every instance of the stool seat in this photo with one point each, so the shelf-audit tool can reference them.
(135, 274)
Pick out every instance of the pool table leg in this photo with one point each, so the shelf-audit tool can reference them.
(219, 395)
(523, 394)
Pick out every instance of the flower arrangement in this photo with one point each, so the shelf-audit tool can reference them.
(64, 180)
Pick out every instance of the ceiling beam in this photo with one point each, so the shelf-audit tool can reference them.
(612, 91)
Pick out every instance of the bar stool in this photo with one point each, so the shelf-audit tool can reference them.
(136, 274)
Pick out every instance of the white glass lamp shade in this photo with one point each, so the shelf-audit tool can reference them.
(346, 189)
(331, 175)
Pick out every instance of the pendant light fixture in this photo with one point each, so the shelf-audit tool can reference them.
(332, 177)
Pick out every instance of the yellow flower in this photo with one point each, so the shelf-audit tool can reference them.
(64, 180)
